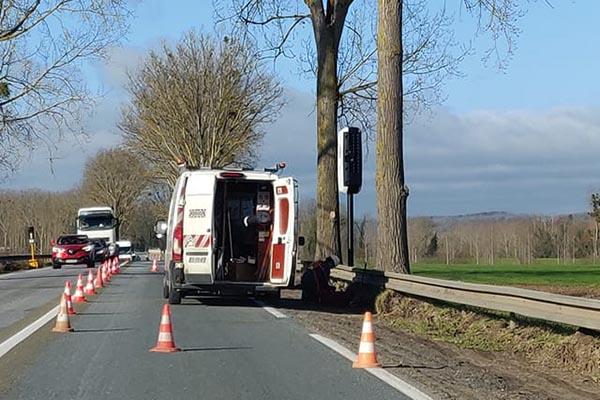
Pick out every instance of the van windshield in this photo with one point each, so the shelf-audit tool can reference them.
(96, 221)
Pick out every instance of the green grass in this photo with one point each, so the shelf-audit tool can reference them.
(510, 274)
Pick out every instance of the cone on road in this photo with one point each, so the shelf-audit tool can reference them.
(98, 282)
(89, 286)
(366, 351)
(154, 265)
(166, 342)
(67, 293)
(104, 273)
(112, 268)
(78, 297)
(62, 319)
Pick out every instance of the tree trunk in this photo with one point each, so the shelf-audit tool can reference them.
(328, 208)
(392, 254)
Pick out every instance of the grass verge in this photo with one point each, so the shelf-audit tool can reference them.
(553, 346)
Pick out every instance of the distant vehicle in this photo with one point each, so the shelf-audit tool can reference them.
(142, 256)
(73, 249)
(230, 230)
(97, 223)
(125, 251)
(101, 249)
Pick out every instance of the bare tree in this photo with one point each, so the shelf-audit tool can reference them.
(115, 178)
(203, 101)
(392, 193)
(42, 46)
(342, 57)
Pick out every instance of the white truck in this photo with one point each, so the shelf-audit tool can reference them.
(230, 231)
(97, 223)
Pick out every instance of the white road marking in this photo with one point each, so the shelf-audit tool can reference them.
(276, 313)
(392, 380)
(20, 272)
(24, 333)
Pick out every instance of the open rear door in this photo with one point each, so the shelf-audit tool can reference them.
(283, 244)
(198, 229)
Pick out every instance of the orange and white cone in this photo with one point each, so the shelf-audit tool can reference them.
(154, 266)
(98, 282)
(62, 319)
(116, 268)
(105, 277)
(166, 342)
(366, 351)
(89, 286)
(67, 293)
(113, 267)
(78, 297)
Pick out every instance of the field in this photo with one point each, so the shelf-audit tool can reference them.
(543, 274)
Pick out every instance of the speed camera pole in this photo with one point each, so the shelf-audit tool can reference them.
(350, 177)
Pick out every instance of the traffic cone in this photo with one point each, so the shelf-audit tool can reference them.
(154, 266)
(98, 282)
(105, 278)
(78, 297)
(89, 286)
(70, 309)
(115, 263)
(62, 319)
(165, 343)
(366, 351)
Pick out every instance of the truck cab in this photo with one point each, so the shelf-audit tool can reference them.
(230, 231)
(97, 223)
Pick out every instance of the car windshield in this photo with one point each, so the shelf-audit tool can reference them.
(72, 240)
(96, 221)
(124, 249)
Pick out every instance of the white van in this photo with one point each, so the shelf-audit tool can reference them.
(230, 231)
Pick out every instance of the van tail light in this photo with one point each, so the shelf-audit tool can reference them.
(178, 241)
(177, 255)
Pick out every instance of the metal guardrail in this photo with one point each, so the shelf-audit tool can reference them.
(570, 310)
(20, 257)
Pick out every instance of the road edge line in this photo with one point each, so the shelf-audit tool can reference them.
(273, 311)
(387, 377)
(29, 330)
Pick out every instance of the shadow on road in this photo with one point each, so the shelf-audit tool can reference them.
(217, 348)
(102, 330)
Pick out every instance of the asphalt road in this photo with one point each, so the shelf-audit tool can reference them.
(25, 294)
(232, 349)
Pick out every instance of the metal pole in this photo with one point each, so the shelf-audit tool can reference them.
(350, 205)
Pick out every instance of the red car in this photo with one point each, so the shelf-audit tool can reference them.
(73, 249)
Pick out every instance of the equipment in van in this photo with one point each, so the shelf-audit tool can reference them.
(230, 230)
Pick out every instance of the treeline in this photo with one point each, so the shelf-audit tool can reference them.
(484, 240)
(55, 213)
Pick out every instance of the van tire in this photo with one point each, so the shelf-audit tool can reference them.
(174, 297)
(165, 289)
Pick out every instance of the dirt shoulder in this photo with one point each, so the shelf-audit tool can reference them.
(444, 370)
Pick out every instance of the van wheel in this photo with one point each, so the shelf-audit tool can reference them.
(56, 266)
(174, 297)
(165, 291)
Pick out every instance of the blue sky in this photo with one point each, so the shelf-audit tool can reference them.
(523, 140)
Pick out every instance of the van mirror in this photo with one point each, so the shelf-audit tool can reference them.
(160, 228)
(53, 242)
(300, 240)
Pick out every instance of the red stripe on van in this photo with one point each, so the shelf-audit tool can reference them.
(284, 215)
(278, 261)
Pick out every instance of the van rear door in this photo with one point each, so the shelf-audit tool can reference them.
(284, 219)
(198, 229)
